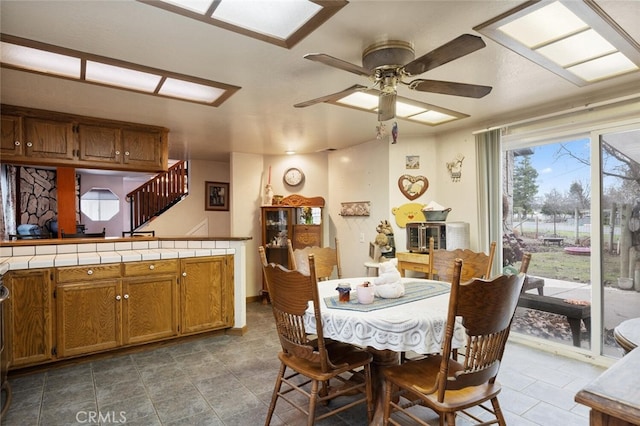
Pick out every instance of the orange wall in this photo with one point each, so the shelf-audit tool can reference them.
(66, 177)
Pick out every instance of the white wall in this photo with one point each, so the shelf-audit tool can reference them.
(189, 217)
(246, 196)
(461, 196)
(360, 173)
(425, 148)
(249, 175)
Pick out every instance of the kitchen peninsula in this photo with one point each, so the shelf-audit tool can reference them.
(76, 297)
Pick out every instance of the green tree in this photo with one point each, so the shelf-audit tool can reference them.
(579, 196)
(554, 204)
(525, 187)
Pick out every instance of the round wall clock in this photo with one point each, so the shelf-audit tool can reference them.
(293, 176)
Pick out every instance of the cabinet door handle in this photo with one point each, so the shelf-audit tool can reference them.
(126, 296)
(117, 152)
(118, 297)
(90, 272)
(17, 143)
(29, 144)
(184, 274)
(126, 153)
(152, 267)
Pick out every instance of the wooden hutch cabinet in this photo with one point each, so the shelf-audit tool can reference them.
(296, 218)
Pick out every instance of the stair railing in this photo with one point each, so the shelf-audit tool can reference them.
(158, 194)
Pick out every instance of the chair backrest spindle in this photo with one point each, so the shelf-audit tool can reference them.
(486, 309)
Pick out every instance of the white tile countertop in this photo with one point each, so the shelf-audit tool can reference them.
(46, 256)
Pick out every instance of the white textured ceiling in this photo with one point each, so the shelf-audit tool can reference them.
(260, 118)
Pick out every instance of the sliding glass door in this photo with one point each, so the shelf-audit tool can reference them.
(547, 204)
(619, 153)
(574, 203)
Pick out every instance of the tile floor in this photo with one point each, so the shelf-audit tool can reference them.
(227, 380)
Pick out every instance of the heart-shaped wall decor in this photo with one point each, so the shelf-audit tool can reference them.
(413, 186)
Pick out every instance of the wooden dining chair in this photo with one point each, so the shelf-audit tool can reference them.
(327, 261)
(474, 264)
(534, 282)
(320, 371)
(449, 385)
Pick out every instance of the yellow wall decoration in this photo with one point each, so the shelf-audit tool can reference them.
(409, 212)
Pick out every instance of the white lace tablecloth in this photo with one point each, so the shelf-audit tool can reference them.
(415, 326)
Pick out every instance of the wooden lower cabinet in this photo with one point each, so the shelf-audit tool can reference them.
(150, 301)
(30, 336)
(70, 311)
(206, 293)
(89, 315)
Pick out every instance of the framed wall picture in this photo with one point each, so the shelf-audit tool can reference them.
(216, 196)
(412, 162)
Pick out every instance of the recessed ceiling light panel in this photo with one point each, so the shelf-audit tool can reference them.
(39, 60)
(604, 67)
(578, 48)
(547, 23)
(32, 56)
(122, 77)
(277, 18)
(280, 22)
(433, 117)
(575, 39)
(188, 90)
(360, 100)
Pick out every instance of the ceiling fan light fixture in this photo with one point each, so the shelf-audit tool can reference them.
(387, 63)
(387, 54)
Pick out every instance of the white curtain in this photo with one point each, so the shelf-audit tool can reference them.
(489, 191)
(8, 201)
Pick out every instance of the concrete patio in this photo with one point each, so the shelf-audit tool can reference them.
(619, 305)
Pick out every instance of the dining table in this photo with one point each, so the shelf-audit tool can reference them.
(387, 327)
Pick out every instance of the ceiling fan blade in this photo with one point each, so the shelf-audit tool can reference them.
(450, 88)
(386, 106)
(454, 49)
(332, 97)
(338, 63)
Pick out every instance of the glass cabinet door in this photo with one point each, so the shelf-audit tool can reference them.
(308, 215)
(277, 225)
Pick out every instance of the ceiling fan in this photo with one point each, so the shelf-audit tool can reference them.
(391, 62)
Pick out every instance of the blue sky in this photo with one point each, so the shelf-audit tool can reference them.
(560, 171)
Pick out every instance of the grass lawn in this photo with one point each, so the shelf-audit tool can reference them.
(553, 262)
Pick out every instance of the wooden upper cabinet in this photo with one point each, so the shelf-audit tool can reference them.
(49, 138)
(100, 143)
(12, 143)
(144, 148)
(36, 137)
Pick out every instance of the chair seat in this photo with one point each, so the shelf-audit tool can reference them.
(422, 373)
(342, 355)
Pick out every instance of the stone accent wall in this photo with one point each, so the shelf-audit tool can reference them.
(39, 196)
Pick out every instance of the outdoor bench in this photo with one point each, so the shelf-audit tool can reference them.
(552, 240)
(555, 305)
